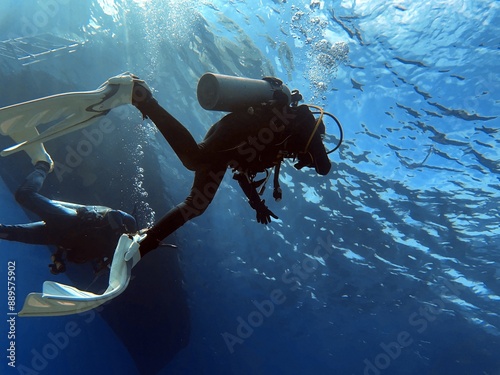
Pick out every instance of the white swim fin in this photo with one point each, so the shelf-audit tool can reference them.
(63, 113)
(36, 151)
(59, 299)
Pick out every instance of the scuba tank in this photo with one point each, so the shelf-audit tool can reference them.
(217, 92)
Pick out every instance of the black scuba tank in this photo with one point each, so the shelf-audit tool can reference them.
(217, 92)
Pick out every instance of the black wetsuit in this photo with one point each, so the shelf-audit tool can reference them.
(246, 142)
(86, 232)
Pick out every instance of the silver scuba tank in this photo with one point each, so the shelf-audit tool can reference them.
(218, 92)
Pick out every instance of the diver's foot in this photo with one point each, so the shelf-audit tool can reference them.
(47, 159)
(44, 166)
(141, 94)
(39, 154)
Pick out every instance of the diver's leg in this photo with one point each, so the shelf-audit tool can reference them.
(179, 138)
(33, 233)
(205, 186)
(27, 196)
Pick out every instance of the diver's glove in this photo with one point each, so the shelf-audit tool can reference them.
(57, 266)
(263, 213)
(141, 95)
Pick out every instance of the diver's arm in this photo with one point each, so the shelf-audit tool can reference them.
(205, 185)
(263, 213)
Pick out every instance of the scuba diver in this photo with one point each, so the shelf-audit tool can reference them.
(266, 125)
(80, 233)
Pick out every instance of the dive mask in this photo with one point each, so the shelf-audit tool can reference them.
(314, 154)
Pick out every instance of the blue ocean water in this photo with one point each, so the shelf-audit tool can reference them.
(388, 265)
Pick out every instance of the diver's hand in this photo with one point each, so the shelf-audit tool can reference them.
(264, 214)
(141, 94)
